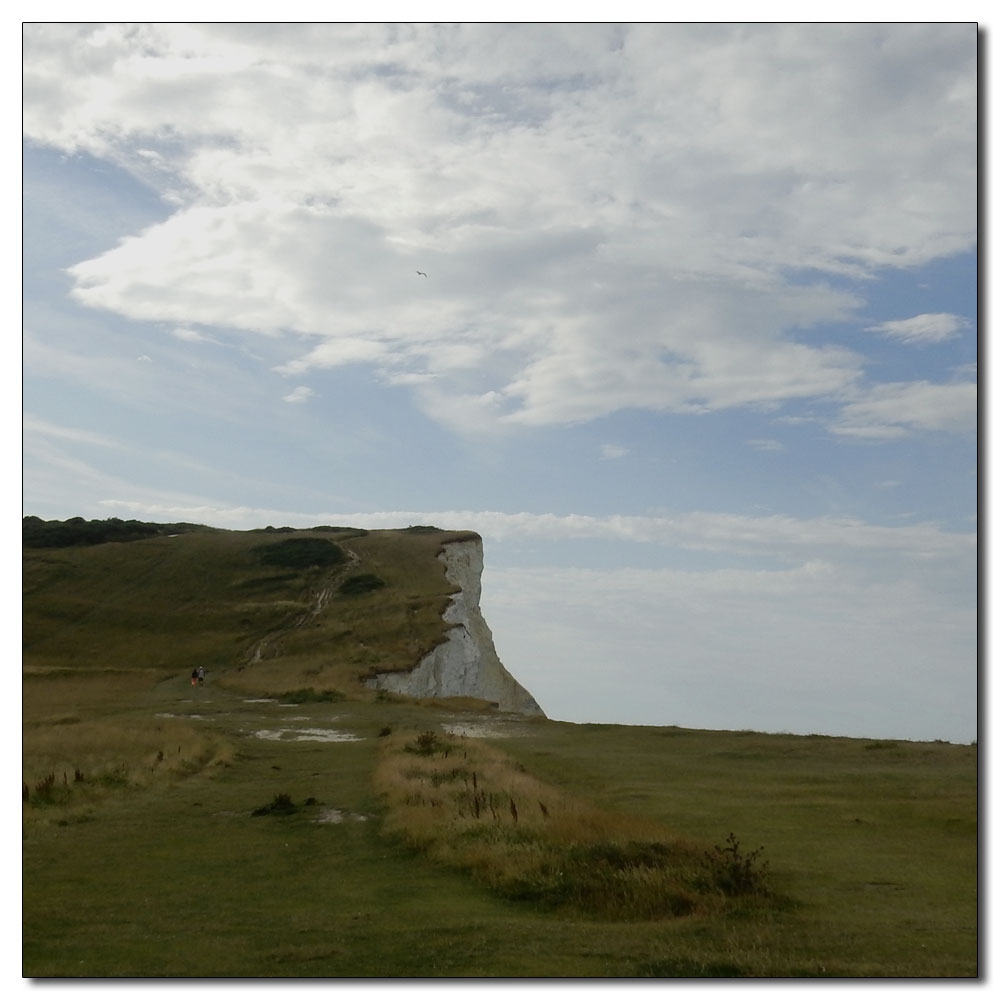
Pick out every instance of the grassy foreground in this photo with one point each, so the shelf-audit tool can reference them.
(154, 863)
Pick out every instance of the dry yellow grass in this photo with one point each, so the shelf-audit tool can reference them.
(467, 805)
(136, 750)
(79, 741)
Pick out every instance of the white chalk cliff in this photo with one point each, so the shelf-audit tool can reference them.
(466, 663)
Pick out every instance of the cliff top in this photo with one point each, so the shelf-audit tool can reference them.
(270, 609)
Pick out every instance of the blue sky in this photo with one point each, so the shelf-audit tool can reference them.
(695, 352)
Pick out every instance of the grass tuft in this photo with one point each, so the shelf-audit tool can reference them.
(280, 805)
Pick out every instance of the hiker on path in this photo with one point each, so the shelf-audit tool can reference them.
(194, 676)
(201, 675)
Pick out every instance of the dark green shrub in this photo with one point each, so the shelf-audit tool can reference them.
(427, 744)
(363, 583)
(301, 553)
(280, 805)
(734, 873)
(303, 696)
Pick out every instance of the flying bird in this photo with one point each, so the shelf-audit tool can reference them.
(421, 273)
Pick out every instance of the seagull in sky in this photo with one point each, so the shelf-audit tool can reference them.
(421, 273)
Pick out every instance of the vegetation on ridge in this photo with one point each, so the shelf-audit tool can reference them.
(39, 534)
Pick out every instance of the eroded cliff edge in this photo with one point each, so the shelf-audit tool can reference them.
(466, 663)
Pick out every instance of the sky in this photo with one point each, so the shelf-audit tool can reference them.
(694, 348)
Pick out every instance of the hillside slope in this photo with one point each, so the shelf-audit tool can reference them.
(330, 608)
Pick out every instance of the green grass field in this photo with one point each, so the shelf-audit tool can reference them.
(166, 872)
(152, 845)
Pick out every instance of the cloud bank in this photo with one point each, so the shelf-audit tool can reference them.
(609, 216)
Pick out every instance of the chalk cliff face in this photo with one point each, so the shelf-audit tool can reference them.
(466, 663)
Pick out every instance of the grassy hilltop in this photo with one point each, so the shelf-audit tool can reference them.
(316, 608)
(282, 820)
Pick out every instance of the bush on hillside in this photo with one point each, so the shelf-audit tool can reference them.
(427, 744)
(734, 872)
(302, 696)
(280, 805)
(363, 583)
(301, 553)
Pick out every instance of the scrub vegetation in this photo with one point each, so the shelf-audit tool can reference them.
(284, 821)
(469, 806)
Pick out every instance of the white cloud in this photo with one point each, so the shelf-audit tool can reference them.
(465, 412)
(333, 353)
(927, 328)
(765, 444)
(606, 213)
(895, 409)
(191, 336)
(299, 394)
(613, 451)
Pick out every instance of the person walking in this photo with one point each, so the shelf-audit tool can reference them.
(194, 676)
(201, 675)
